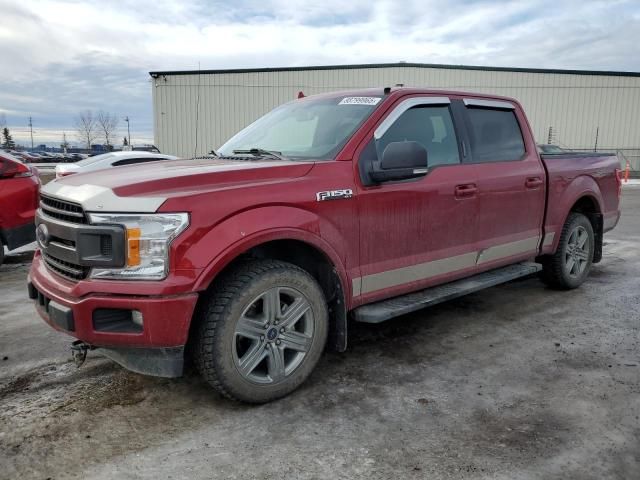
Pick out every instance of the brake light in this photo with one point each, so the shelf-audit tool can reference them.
(11, 169)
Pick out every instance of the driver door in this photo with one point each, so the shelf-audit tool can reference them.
(418, 232)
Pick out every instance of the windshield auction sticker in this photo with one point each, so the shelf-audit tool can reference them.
(359, 101)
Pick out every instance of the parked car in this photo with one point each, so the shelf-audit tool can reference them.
(107, 160)
(19, 187)
(35, 157)
(369, 204)
(23, 156)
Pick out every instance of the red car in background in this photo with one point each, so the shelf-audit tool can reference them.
(19, 198)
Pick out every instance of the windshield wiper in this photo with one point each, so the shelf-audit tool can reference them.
(261, 152)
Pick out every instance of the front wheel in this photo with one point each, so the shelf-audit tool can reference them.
(262, 331)
(569, 266)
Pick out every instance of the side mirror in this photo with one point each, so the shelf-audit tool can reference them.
(400, 161)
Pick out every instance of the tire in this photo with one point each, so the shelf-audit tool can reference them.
(1, 252)
(252, 348)
(569, 266)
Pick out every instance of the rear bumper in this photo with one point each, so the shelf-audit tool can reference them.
(18, 236)
(153, 346)
(610, 220)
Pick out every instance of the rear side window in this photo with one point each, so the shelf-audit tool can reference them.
(495, 135)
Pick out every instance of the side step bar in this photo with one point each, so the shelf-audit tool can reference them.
(393, 307)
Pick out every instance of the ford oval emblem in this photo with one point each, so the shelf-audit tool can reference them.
(42, 234)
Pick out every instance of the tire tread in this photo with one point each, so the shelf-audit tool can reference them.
(224, 291)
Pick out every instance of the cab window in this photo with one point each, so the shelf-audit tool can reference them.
(429, 125)
(495, 135)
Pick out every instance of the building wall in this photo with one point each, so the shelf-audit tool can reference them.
(576, 106)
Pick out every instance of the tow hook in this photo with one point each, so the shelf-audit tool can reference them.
(79, 351)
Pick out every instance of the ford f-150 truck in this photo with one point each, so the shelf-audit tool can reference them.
(365, 205)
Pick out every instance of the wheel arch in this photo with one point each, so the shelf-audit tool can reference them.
(582, 195)
(590, 207)
(301, 248)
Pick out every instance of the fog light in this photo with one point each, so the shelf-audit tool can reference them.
(136, 317)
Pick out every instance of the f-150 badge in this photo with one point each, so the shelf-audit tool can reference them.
(334, 194)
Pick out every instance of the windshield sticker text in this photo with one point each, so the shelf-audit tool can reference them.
(359, 101)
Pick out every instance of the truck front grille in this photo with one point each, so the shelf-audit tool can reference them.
(68, 270)
(62, 210)
(70, 245)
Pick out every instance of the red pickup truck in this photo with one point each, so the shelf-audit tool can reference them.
(363, 205)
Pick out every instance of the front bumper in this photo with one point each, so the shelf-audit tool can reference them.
(159, 340)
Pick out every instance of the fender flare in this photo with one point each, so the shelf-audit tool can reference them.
(581, 187)
(338, 309)
(220, 261)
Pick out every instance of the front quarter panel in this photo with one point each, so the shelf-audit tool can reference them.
(225, 224)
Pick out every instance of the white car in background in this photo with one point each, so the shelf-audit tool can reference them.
(108, 160)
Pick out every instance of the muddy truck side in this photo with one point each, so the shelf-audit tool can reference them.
(350, 206)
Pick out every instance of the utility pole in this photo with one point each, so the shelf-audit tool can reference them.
(126, 119)
(31, 130)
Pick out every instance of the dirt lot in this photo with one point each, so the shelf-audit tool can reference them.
(511, 383)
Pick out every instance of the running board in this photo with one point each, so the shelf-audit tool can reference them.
(393, 307)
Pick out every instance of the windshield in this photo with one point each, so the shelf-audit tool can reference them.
(305, 129)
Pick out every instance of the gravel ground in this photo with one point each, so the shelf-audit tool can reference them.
(515, 382)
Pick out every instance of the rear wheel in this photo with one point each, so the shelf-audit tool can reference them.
(569, 266)
(1, 251)
(262, 331)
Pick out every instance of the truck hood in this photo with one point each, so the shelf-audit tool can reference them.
(143, 188)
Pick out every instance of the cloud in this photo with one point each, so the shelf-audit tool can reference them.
(61, 57)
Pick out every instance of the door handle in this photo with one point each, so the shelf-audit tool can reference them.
(533, 182)
(466, 190)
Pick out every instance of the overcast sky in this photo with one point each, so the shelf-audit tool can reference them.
(60, 57)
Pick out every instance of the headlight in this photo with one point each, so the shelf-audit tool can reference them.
(148, 238)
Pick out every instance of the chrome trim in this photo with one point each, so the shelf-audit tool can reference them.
(476, 102)
(403, 107)
(356, 287)
(507, 250)
(412, 273)
(548, 239)
(424, 271)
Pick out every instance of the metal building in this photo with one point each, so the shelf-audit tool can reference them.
(196, 111)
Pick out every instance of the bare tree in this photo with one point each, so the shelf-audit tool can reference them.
(107, 124)
(86, 128)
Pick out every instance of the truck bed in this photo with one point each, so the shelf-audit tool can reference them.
(576, 174)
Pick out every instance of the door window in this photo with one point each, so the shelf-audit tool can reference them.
(432, 127)
(495, 135)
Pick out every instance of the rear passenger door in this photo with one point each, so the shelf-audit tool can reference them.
(510, 180)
